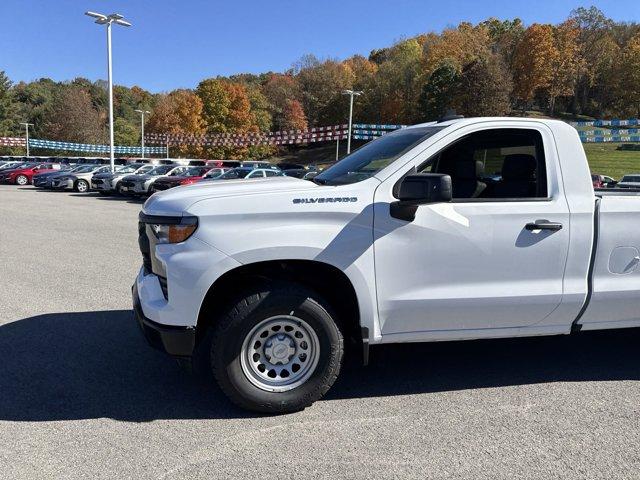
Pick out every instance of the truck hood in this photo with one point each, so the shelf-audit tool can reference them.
(177, 200)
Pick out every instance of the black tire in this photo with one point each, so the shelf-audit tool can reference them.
(81, 186)
(119, 190)
(258, 304)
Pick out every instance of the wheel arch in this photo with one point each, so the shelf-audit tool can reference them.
(329, 281)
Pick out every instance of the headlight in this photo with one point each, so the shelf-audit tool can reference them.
(180, 231)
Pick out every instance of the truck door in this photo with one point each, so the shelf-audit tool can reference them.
(481, 261)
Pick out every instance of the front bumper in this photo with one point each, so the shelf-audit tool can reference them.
(61, 184)
(102, 185)
(177, 341)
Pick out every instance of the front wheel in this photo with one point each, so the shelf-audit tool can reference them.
(277, 350)
(22, 180)
(82, 186)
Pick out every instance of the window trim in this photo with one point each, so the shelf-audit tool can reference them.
(425, 163)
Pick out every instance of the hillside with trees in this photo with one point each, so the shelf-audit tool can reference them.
(586, 66)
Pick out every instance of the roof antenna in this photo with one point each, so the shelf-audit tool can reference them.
(450, 115)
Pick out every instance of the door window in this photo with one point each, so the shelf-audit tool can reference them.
(494, 164)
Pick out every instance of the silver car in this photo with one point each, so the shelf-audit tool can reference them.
(139, 184)
(80, 180)
(629, 181)
(107, 183)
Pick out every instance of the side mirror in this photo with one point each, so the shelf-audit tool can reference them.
(420, 189)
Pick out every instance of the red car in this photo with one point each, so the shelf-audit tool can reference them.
(24, 175)
(193, 175)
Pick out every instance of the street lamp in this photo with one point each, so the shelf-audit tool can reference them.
(351, 93)
(26, 127)
(142, 112)
(108, 20)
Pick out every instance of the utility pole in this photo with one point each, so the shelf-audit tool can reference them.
(26, 128)
(108, 20)
(142, 112)
(351, 93)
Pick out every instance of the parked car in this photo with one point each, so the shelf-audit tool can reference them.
(290, 166)
(258, 164)
(215, 173)
(139, 184)
(401, 241)
(12, 164)
(248, 173)
(79, 180)
(311, 175)
(44, 180)
(24, 175)
(603, 181)
(192, 175)
(295, 172)
(109, 182)
(629, 181)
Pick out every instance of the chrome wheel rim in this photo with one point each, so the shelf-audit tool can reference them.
(82, 186)
(21, 180)
(280, 353)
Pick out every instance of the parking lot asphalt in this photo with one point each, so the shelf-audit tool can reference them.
(83, 396)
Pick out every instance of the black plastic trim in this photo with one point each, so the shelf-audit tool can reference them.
(364, 331)
(173, 340)
(167, 219)
(575, 326)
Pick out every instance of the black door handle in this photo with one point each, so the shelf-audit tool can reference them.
(543, 225)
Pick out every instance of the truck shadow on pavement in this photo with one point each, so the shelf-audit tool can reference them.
(69, 366)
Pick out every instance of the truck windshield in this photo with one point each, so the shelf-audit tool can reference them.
(374, 156)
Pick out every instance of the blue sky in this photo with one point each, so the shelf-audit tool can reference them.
(176, 43)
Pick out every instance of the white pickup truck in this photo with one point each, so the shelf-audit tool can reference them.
(462, 229)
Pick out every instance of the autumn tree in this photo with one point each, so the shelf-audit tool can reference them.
(565, 62)
(599, 52)
(532, 62)
(459, 46)
(180, 112)
(484, 88)
(628, 78)
(504, 36)
(215, 104)
(293, 116)
(279, 89)
(74, 118)
(395, 89)
(322, 84)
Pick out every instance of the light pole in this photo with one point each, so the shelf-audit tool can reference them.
(142, 112)
(26, 128)
(108, 20)
(351, 93)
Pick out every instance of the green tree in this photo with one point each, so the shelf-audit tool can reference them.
(438, 92)
(9, 108)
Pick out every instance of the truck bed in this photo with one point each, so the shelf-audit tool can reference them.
(613, 300)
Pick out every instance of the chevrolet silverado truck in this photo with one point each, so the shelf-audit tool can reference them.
(455, 230)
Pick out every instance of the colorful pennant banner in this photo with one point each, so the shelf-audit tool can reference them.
(91, 148)
(12, 142)
(606, 123)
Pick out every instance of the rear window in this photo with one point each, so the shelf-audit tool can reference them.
(631, 178)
